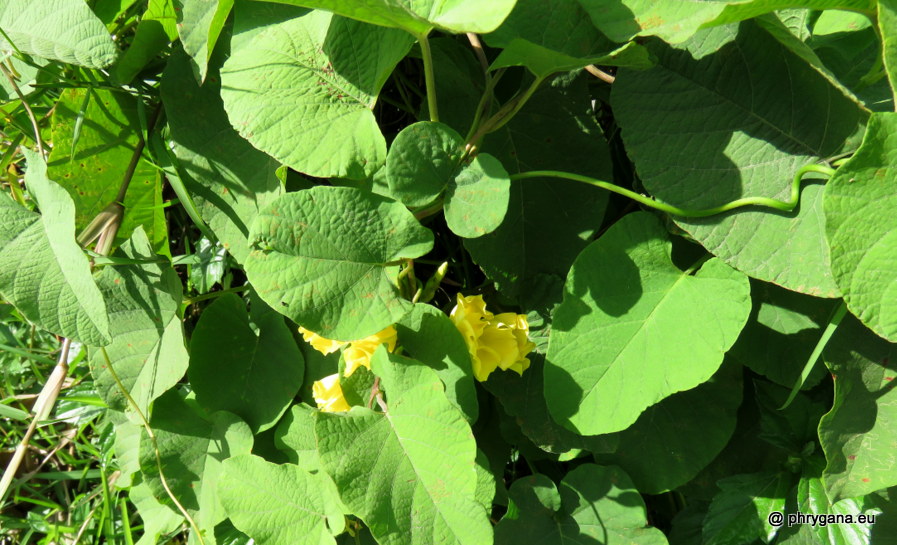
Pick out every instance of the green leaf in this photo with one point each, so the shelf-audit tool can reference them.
(857, 435)
(334, 278)
(92, 165)
(739, 513)
(45, 274)
(158, 518)
(279, 504)
(675, 21)
(704, 132)
(781, 333)
(595, 504)
(862, 230)
(430, 337)
(548, 222)
(229, 180)
(301, 85)
(192, 448)
(62, 30)
(422, 160)
(234, 369)
(201, 22)
(295, 436)
(603, 371)
(569, 42)
(147, 350)
(477, 200)
(409, 474)
(155, 31)
(672, 441)
(419, 17)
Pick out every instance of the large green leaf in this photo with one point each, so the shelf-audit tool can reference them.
(862, 228)
(233, 368)
(672, 441)
(675, 21)
(279, 504)
(429, 336)
(335, 278)
(301, 85)
(568, 42)
(595, 504)
(548, 222)
(419, 16)
(62, 30)
(858, 434)
(201, 22)
(92, 164)
(228, 179)
(887, 23)
(619, 343)
(192, 448)
(409, 474)
(156, 29)
(147, 350)
(739, 513)
(705, 132)
(45, 274)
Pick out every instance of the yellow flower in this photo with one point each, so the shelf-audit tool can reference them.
(360, 352)
(329, 395)
(319, 343)
(494, 341)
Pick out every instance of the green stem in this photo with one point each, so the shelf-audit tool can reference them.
(152, 437)
(506, 113)
(429, 76)
(833, 323)
(214, 294)
(786, 206)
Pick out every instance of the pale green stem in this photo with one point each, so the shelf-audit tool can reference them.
(785, 206)
(429, 76)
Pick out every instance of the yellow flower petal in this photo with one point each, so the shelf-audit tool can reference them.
(360, 352)
(319, 343)
(329, 395)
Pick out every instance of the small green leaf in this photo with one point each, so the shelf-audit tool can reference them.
(422, 160)
(430, 337)
(192, 448)
(419, 17)
(862, 229)
(422, 448)
(155, 31)
(301, 85)
(279, 504)
(857, 435)
(477, 200)
(147, 350)
(199, 26)
(158, 518)
(603, 371)
(334, 278)
(739, 513)
(45, 274)
(594, 504)
(62, 30)
(234, 369)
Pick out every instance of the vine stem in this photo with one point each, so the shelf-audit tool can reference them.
(34, 125)
(429, 76)
(152, 436)
(505, 114)
(786, 206)
(600, 74)
(189, 301)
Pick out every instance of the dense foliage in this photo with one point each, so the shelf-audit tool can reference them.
(428, 272)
